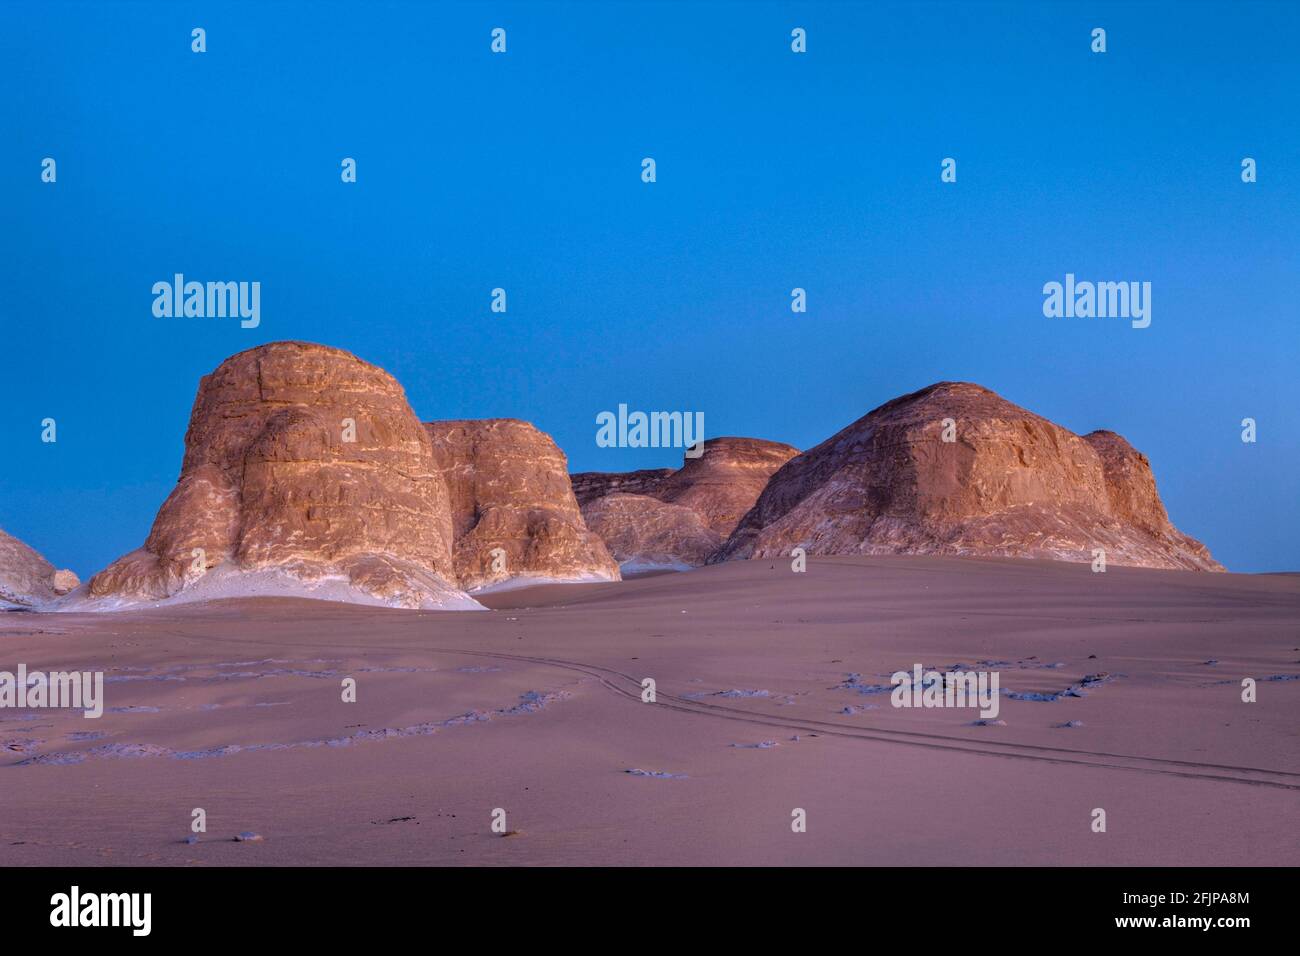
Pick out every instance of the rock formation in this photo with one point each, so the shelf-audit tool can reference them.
(65, 581)
(26, 578)
(644, 533)
(305, 472)
(590, 485)
(724, 482)
(1131, 487)
(1010, 483)
(509, 490)
(717, 488)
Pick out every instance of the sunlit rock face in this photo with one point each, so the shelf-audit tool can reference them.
(1009, 483)
(305, 472)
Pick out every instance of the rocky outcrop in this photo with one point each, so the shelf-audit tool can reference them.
(646, 534)
(514, 516)
(26, 578)
(717, 488)
(1009, 483)
(65, 581)
(725, 481)
(305, 472)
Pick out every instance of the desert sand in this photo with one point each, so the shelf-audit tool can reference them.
(234, 706)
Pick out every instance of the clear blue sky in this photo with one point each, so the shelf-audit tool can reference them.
(775, 170)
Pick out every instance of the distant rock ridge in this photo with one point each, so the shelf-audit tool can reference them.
(514, 515)
(307, 473)
(1010, 483)
(646, 534)
(724, 482)
(666, 518)
(27, 580)
(590, 485)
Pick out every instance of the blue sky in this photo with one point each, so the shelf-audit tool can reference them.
(775, 170)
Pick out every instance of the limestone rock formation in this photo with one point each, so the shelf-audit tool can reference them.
(717, 487)
(65, 582)
(514, 516)
(1134, 499)
(644, 533)
(26, 578)
(725, 481)
(305, 472)
(1010, 484)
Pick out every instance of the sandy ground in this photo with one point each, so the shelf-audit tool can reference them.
(235, 707)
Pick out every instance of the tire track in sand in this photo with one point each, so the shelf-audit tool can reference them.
(630, 687)
(626, 685)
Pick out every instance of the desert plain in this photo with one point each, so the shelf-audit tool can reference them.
(766, 702)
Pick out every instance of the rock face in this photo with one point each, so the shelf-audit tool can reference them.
(65, 582)
(644, 533)
(590, 485)
(305, 472)
(646, 527)
(1134, 500)
(26, 578)
(1011, 484)
(724, 482)
(509, 489)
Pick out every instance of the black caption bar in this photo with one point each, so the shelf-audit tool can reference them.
(331, 905)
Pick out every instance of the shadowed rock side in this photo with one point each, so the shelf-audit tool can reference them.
(716, 489)
(509, 490)
(1012, 484)
(644, 533)
(305, 472)
(26, 578)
